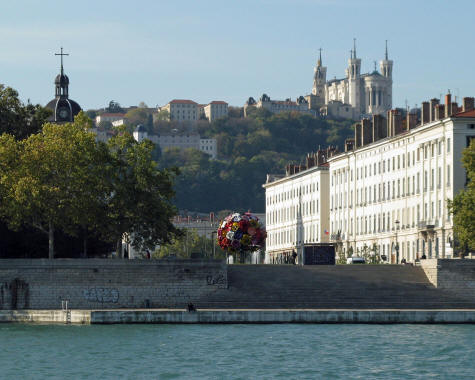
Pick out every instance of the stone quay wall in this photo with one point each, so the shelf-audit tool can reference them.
(107, 283)
(454, 275)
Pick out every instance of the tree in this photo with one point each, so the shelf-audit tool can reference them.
(137, 116)
(114, 107)
(190, 244)
(463, 205)
(139, 203)
(53, 181)
(18, 119)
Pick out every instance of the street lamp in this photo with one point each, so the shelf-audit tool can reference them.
(397, 244)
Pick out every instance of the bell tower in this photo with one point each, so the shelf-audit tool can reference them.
(319, 77)
(354, 79)
(386, 67)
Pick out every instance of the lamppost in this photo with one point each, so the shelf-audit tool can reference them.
(397, 243)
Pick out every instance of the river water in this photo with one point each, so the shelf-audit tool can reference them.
(237, 352)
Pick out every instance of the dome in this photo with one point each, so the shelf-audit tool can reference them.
(140, 128)
(64, 109)
(61, 79)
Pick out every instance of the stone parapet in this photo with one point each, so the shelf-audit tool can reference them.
(107, 284)
(454, 275)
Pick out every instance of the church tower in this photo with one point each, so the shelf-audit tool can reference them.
(319, 78)
(354, 79)
(64, 109)
(386, 68)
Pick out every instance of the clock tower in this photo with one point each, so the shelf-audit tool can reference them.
(64, 109)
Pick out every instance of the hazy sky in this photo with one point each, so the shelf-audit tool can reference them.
(155, 51)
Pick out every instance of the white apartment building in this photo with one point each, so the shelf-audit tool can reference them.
(389, 193)
(216, 109)
(297, 211)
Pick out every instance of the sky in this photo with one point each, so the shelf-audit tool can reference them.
(158, 50)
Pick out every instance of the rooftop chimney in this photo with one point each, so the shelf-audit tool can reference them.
(366, 132)
(439, 111)
(425, 113)
(349, 145)
(448, 105)
(467, 104)
(357, 135)
(433, 103)
(379, 130)
(411, 120)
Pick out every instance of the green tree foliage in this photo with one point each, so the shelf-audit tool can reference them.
(63, 180)
(248, 149)
(463, 205)
(139, 203)
(51, 182)
(18, 119)
(138, 116)
(191, 244)
(114, 107)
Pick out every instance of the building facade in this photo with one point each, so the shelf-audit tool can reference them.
(216, 110)
(297, 210)
(389, 189)
(182, 110)
(276, 106)
(179, 140)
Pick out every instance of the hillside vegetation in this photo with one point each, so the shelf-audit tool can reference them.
(248, 149)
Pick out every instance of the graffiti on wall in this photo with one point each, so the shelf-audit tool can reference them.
(219, 279)
(101, 295)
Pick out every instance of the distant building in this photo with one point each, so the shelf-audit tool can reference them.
(277, 106)
(64, 109)
(178, 140)
(216, 109)
(110, 117)
(357, 94)
(182, 110)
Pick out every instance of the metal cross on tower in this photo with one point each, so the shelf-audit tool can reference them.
(61, 54)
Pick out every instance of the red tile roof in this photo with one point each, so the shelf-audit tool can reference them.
(183, 101)
(465, 114)
(217, 102)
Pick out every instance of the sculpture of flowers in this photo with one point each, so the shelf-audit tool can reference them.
(241, 233)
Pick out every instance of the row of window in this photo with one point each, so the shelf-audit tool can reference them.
(290, 213)
(310, 234)
(384, 191)
(386, 221)
(409, 250)
(292, 194)
(391, 164)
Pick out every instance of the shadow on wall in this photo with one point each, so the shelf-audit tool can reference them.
(14, 295)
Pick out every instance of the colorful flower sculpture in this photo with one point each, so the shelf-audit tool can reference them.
(241, 233)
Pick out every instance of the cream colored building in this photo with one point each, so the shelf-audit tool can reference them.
(110, 117)
(297, 209)
(179, 140)
(182, 110)
(216, 109)
(389, 190)
(277, 106)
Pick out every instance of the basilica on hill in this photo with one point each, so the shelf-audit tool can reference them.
(357, 94)
(354, 97)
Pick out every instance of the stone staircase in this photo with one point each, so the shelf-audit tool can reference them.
(341, 286)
